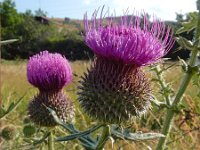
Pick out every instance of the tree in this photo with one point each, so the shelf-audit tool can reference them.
(40, 12)
(10, 19)
(179, 17)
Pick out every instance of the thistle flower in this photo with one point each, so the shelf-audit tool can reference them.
(128, 41)
(49, 73)
(115, 89)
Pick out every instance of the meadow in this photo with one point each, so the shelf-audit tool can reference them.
(184, 134)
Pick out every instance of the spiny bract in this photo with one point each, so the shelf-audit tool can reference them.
(114, 93)
(57, 101)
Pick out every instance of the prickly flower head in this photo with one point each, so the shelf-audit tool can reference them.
(57, 101)
(48, 71)
(115, 89)
(112, 92)
(129, 39)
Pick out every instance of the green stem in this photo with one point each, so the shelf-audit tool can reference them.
(163, 85)
(50, 142)
(184, 83)
(104, 137)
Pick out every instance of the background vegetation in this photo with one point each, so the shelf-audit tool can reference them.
(60, 35)
(185, 132)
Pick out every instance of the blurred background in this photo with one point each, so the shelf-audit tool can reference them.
(57, 25)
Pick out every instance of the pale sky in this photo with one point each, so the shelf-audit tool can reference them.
(164, 9)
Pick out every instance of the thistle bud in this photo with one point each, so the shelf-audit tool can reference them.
(49, 73)
(29, 130)
(8, 133)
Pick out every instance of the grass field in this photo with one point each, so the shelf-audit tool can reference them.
(185, 131)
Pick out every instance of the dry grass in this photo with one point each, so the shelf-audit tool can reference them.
(184, 135)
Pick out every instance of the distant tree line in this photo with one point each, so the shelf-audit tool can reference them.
(35, 36)
(65, 38)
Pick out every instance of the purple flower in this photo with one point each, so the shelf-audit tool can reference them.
(116, 89)
(48, 71)
(128, 41)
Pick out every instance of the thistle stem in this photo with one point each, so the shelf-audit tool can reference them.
(163, 84)
(104, 137)
(50, 142)
(184, 83)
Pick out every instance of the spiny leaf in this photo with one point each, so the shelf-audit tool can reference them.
(46, 135)
(190, 25)
(86, 140)
(185, 43)
(126, 134)
(8, 41)
(11, 107)
(143, 136)
(77, 135)
(2, 112)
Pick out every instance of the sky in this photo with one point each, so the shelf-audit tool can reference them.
(163, 9)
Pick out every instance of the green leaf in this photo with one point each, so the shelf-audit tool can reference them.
(126, 134)
(143, 136)
(2, 112)
(11, 107)
(70, 137)
(8, 41)
(184, 65)
(156, 102)
(196, 82)
(106, 133)
(185, 43)
(198, 94)
(86, 140)
(46, 135)
(78, 135)
(190, 25)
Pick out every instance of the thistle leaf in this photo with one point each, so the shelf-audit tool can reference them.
(11, 107)
(126, 134)
(185, 43)
(45, 136)
(8, 41)
(190, 25)
(2, 112)
(196, 82)
(78, 135)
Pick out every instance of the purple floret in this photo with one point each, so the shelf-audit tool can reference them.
(48, 71)
(125, 39)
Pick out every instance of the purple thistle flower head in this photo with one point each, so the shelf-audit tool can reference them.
(129, 39)
(48, 71)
